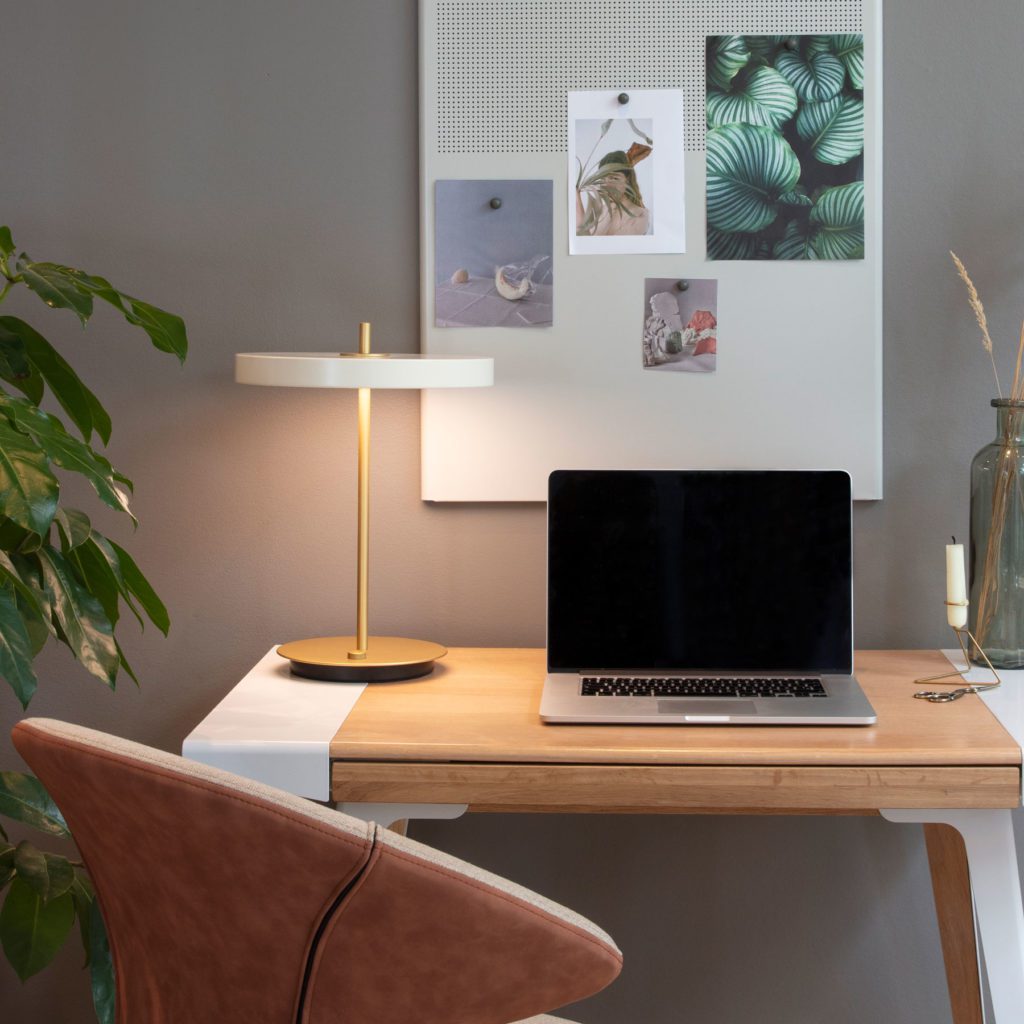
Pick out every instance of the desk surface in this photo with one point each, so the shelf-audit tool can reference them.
(456, 735)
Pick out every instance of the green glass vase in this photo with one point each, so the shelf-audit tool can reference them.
(996, 614)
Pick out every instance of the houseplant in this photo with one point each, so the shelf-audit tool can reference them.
(62, 580)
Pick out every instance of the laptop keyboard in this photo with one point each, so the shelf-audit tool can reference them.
(714, 686)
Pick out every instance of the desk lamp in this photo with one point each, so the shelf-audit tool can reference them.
(362, 657)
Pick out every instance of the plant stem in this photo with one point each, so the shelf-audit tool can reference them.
(1006, 476)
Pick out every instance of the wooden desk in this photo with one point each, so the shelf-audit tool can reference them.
(469, 737)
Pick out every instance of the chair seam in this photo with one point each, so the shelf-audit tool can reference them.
(326, 923)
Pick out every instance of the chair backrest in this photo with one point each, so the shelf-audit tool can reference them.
(227, 901)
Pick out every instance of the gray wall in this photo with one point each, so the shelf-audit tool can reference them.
(253, 166)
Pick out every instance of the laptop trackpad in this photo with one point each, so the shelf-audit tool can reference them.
(695, 709)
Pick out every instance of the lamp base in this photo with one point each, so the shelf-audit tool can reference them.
(387, 658)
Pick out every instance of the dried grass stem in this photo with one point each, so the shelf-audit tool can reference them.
(979, 315)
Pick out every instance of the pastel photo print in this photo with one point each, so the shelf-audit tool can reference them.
(680, 332)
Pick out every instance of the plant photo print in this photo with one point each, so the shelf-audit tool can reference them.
(785, 147)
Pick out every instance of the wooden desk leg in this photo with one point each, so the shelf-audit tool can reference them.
(995, 881)
(951, 884)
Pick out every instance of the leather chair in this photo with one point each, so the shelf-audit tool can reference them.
(227, 901)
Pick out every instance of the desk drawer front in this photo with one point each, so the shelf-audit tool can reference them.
(672, 788)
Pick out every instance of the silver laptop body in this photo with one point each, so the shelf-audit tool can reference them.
(701, 598)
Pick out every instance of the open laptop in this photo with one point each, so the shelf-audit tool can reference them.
(701, 597)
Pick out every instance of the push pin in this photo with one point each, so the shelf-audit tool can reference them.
(623, 98)
(495, 203)
(682, 285)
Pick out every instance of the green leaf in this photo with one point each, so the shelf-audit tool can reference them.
(14, 365)
(38, 627)
(735, 245)
(100, 416)
(850, 50)
(32, 931)
(728, 56)
(80, 616)
(101, 968)
(795, 244)
(140, 587)
(36, 610)
(49, 874)
(10, 573)
(766, 99)
(833, 129)
(55, 286)
(28, 490)
(84, 898)
(748, 168)
(763, 48)
(816, 76)
(74, 526)
(23, 798)
(6, 860)
(67, 451)
(835, 230)
(16, 651)
(74, 397)
(165, 330)
(6, 242)
(797, 196)
(100, 571)
(127, 667)
(837, 222)
(32, 385)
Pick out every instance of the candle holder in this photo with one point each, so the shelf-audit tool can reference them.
(947, 696)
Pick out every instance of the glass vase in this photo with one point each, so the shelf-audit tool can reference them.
(996, 613)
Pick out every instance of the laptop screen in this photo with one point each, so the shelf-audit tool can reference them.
(699, 570)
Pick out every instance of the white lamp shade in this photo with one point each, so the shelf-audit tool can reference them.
(352, 370)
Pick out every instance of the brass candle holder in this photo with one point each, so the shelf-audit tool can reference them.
(947, 696)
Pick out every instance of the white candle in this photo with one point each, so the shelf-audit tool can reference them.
(956, 586)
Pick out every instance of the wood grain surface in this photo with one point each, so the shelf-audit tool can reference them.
(481, 705)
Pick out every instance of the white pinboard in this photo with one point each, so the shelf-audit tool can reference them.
(799, 370)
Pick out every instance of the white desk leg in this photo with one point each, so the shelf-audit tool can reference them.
(387, 814)
(995, 883)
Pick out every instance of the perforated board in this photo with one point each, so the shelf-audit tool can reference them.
(798, 383)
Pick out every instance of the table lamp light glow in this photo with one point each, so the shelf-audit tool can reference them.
(362, 657)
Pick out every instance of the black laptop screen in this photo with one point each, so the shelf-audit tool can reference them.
(699, 570)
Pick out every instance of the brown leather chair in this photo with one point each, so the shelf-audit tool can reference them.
(227, 901)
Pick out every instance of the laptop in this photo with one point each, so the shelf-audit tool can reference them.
(701, 598)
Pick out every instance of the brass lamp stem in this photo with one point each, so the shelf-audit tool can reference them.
(363, 552)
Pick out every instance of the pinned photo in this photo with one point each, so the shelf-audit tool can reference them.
(626, 172)
(609, 189)
(785, 147)
(493, 242)
(680, 325)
